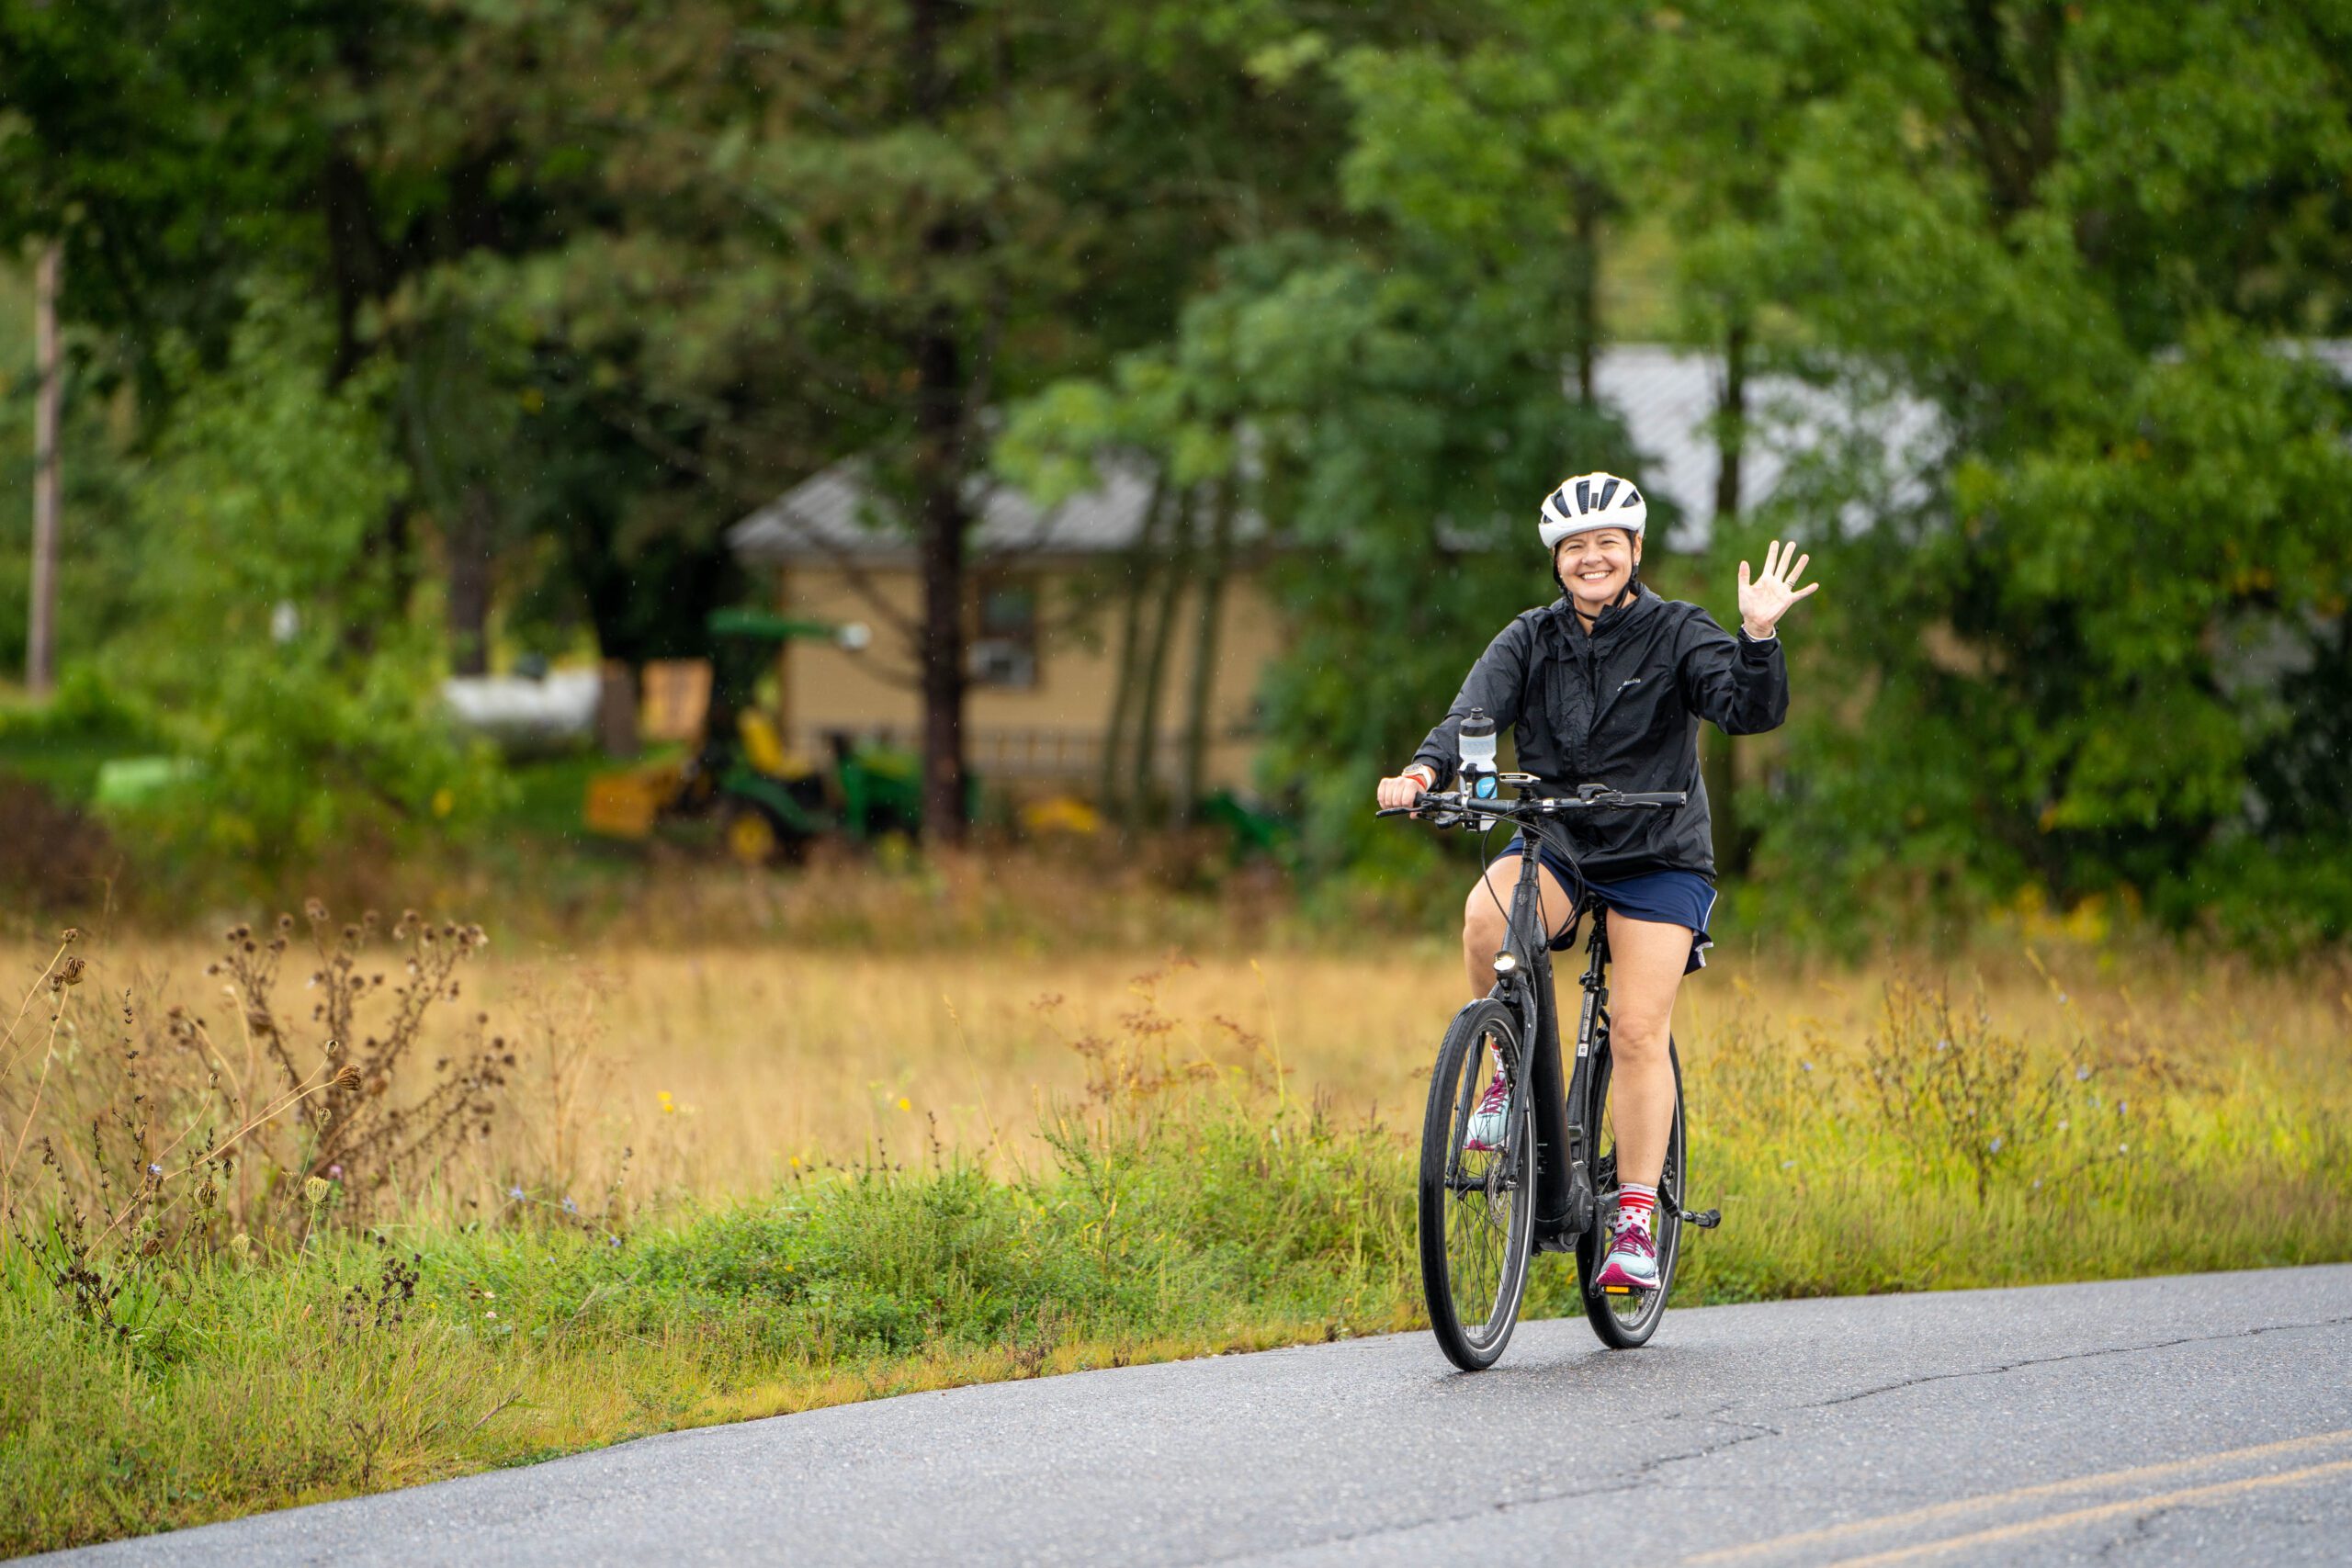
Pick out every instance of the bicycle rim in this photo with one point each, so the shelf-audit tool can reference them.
(1477, 1206)
(1625, 1322)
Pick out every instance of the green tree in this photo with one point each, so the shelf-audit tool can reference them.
(267, 630)
(2088, 240)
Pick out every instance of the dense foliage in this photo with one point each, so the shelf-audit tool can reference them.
(587, 280)
(2087, 620)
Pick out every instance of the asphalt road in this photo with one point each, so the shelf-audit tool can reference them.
(2198, 1419)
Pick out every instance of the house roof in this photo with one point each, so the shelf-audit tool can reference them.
(836, 514)
(1666, 396)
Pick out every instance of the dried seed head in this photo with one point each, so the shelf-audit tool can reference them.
(315, 1190)
(346, 1076)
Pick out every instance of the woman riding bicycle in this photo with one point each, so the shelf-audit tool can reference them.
(1607, 684)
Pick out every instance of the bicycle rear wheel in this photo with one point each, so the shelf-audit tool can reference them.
(1625, 1321)
(1477, 1205)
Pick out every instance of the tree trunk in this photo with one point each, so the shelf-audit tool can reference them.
(1730, 423)
(2007, 70)
(941, 386)
(941, 523)
(1720, 772)
(1211, 575)
(616, 709)
(1585, 203)
(40, 635)
(1163, 631)
(1108, 791)
(470, 535)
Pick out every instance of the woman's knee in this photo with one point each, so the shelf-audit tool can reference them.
(1638, 1033)
(1483, 923)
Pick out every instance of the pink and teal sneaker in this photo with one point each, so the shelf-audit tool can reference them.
(1631, 1264)
(1488, 1123)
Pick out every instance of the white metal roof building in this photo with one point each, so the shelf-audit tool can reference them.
(1668, 398)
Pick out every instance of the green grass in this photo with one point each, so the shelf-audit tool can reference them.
(237, 1385)
(1184, 1210)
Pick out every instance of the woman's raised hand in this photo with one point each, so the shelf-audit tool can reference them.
(1763, 602)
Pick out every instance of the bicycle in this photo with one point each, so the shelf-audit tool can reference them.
(1552, 1184)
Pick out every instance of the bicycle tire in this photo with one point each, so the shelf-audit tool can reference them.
(1476, 1216)
(1617, 1327)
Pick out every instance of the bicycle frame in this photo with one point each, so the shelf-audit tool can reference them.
(1565, 1196)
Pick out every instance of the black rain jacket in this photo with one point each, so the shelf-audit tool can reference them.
(1620, 706)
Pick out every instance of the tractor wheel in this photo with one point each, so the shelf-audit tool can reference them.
(751, 836)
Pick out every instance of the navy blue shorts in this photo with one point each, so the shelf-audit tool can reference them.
(1675, 898)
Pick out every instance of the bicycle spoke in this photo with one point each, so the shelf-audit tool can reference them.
(1479, 1217)
(1476, 1202)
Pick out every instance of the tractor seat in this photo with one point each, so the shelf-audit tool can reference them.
(765, 749)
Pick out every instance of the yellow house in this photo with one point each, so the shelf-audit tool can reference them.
(1055, 598)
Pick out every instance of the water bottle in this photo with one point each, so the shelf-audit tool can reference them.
(1477, 747)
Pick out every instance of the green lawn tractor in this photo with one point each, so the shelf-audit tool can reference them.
(770, 802)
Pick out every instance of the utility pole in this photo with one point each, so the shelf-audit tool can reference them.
(40, 638)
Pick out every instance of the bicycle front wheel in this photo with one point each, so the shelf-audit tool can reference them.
(1477, 1186)
(1625, 1320)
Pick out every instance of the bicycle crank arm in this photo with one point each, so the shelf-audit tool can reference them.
(1705, 1219)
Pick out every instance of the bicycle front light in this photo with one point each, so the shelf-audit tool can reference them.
(1506, 962)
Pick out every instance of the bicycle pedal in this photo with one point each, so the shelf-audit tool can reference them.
(1705, 1219)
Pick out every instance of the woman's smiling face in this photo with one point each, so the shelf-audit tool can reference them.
(1595, 566)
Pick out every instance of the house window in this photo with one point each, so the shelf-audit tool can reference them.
(1004, 653)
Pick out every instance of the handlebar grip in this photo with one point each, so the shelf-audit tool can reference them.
(1654, 798)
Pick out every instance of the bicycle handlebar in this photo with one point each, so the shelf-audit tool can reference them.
(1589, 797)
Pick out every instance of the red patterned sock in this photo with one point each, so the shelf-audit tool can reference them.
(1637, 1204)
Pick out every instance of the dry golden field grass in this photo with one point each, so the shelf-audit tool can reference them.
(722, 1068)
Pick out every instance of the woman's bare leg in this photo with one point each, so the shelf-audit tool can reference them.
(1645, 963)
(1484, 921)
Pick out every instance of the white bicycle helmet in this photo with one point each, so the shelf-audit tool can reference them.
(1589, 501)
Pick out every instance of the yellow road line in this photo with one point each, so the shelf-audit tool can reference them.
(1997, 1500)
(2193, 1497)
